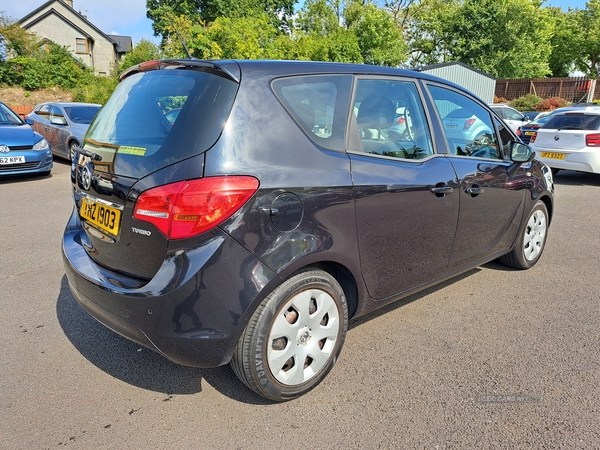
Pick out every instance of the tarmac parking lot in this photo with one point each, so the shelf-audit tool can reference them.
(495, 358)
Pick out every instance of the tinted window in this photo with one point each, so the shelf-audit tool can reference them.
(136, 132)
(391, 119)
(512, 114)
(467, 124)
(574, 121)
(81, 114)
(318, 104)
(7, 116)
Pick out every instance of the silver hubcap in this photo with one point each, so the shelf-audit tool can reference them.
(303, 337)
(535, 235)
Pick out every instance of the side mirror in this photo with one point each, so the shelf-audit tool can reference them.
(29, 121)
(58, 121)
(519, 154)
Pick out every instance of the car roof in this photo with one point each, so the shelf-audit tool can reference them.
(67, 104)
(277, 68)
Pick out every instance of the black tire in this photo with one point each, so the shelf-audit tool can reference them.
(72, 144)
(532, 240)
(304, 318)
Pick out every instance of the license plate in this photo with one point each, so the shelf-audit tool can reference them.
(553, 155)
(451, 126)
(529, 133)
(12, 160)
(103, 216)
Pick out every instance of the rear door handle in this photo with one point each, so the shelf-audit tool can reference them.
(474, 190)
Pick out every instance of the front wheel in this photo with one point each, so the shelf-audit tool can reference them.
(294, 338)
(72, 147)
(532, 240)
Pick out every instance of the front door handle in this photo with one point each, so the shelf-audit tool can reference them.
(441, 189)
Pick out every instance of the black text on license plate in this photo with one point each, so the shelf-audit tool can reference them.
(12, 160)
(103, 216)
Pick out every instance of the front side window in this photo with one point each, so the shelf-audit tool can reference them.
(467, 125)
(391, 119)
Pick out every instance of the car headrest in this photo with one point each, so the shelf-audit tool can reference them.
(376, 112)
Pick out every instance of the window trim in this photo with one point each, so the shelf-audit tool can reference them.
(78, 42)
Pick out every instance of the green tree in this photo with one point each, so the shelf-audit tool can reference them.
(562, 57)
(586, 39)
(144, 50)
(14, 39)
(508, 39)
(379, 38)
(161, 12)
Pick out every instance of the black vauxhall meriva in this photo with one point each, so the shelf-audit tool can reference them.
(244, 211)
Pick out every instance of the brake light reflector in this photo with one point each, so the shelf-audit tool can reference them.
(188, 208)
(592, 140)
(468, 123)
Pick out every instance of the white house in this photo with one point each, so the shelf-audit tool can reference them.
(57, 21)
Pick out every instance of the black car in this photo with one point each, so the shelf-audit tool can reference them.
(281, 201)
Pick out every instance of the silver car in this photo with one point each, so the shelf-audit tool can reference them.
(63, 124)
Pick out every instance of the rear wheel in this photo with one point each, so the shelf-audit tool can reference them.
(294, 338)
(529, 248)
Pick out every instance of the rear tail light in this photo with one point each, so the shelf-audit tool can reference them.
(533, 136)
(519, 132)
(188, 208)
(468, 124)
(400, 120)
(592, 140)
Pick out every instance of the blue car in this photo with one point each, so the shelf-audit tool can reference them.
(22, 150)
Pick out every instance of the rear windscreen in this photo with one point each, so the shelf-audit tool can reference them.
(574, 122)
(157, 118)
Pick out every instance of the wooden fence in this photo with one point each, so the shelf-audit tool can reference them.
(572, 89)
(21, 110)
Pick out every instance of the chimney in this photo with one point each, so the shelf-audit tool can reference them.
(69, 3)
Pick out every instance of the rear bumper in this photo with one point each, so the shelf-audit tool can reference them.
(191, 312)
(583, 160)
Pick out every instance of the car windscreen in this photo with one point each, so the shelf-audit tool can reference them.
(8, 117)
(138, 132)
(81, 114)
(574, 121)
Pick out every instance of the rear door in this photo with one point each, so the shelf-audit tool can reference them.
(406, 206)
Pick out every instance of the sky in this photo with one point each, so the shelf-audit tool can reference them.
(128, 17)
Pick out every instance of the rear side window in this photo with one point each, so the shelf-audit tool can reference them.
(319, 105)
(157, 118)
(577, 121)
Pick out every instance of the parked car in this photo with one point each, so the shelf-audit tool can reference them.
(22, 150)
(463, 128)
(241, 232)
(531, 115)
(511, 116)
(570, 140)
(526, 131)
(63, 124)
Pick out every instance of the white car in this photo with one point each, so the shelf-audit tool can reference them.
(513, 118)
(569, 140)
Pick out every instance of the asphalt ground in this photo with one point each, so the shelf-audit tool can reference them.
(495, 358)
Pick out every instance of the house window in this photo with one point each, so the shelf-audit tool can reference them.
(81, 45)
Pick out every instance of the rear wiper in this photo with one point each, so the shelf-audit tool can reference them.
(87, 153)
